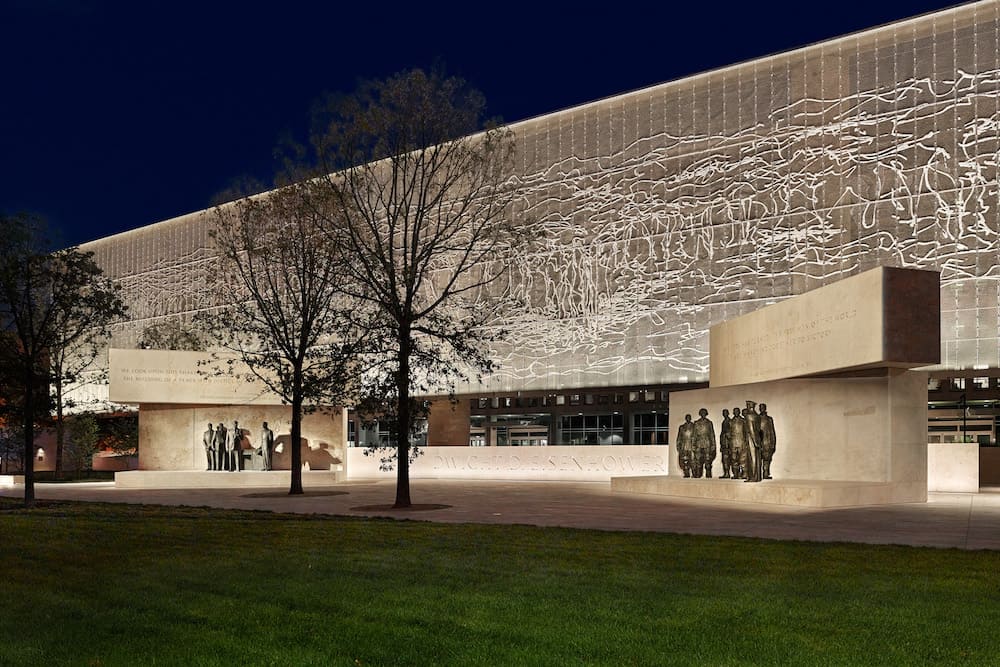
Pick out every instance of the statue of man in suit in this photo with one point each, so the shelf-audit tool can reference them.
(234, 443)
(266, 445)
(208, 440)
(219, 445)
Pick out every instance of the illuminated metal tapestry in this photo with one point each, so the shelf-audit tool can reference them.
(672, 208)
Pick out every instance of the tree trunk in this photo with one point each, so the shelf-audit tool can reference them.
(296, 444)
(29, 437)
(403, 420)
(60, 426)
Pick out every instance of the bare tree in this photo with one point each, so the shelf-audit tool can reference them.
(11, 447)
(289, 322)
(80, 334)
(121, 435)
(172, 334)
(84, 435)
(51, 304)
(421, 199)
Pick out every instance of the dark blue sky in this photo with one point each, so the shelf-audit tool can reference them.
(115, 115)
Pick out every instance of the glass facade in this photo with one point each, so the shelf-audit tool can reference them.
(599, 429)
(650, 428)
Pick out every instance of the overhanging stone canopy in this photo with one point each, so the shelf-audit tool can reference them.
(883, 318)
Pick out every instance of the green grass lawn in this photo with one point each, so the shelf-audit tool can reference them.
(90, 584)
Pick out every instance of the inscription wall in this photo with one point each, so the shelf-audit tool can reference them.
(584, 463)
(171, 376)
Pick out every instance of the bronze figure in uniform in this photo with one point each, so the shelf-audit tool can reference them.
(685, 445)
(726, 446)
(704, 444)
(740, 446)
(767, 441)
(753, 439)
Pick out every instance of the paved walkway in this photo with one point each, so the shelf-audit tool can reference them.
(959, 520)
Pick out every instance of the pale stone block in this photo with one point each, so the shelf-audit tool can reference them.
(952, 468)
(8, 481)
(170, 436)
(249, 479)
(852, 431)
(802, 493)
(174, 376)
(556, 463)
(166, 440)
(907, 392)
(885, 317)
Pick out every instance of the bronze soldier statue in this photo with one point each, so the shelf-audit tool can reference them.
(767, 441)
(738, 440)
(726, 446)
(753, 438)
(685, 445)
(704, 444)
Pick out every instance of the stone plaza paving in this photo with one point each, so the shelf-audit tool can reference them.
(946, 520)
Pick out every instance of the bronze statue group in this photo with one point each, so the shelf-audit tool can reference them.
(747, 443)
(224, 447)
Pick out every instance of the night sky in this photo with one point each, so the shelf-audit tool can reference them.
(117, 115)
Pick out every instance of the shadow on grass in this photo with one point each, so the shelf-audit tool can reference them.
(49, 476)
(390, 508)
(285, 494)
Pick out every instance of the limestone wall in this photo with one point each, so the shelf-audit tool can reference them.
(170, 436)
(865, 429)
